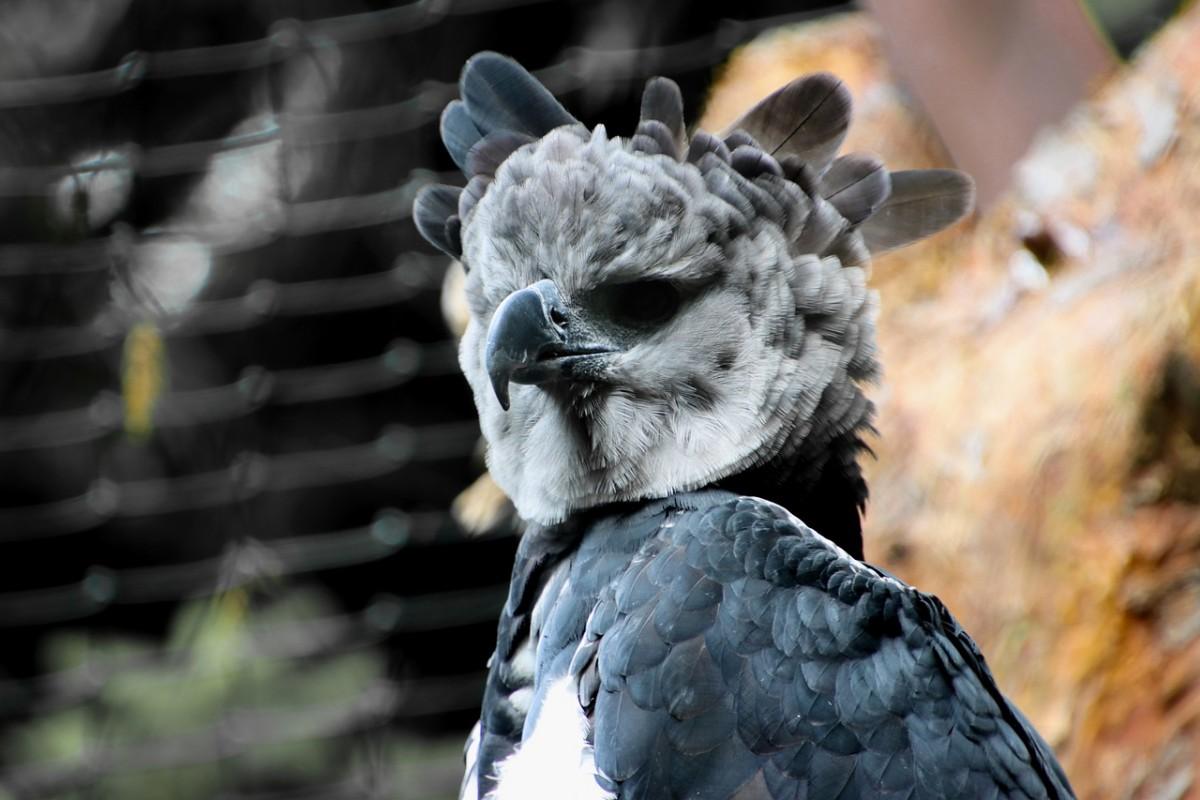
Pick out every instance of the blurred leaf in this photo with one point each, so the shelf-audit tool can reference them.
(269, 721)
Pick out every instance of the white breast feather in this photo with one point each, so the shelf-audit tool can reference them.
(555, 762)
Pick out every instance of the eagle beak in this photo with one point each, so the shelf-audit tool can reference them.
(534, 338)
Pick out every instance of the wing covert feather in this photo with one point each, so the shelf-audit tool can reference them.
(742, 655)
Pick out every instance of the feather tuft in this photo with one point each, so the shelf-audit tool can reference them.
(857, 185)
(741, 138)
(433, 207)
(487, 154)
(500, 94)
(459, 133)
(808, 118)
(662, 136)
(703, 143)
(922, 202)
(752, 162)
(662, 102)
(472, 194)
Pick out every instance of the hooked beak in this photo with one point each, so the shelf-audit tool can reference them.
(534, 339)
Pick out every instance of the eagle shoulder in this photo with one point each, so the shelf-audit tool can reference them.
(741, 654)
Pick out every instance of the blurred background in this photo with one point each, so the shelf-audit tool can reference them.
(247, 548)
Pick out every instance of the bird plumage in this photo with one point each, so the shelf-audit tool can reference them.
(668, 344)
(721, 648)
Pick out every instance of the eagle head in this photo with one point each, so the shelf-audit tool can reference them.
(652, 314)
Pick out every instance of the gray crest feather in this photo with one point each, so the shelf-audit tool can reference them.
(922, 202)
(433, 209)
(766, 203)
(795, 170)
(740, 138)
(857, 185)
(453, 231)
(487, 154)
(500, 94)
(722, 181)
(459, 132)
(664, 140)
(823, 226)
(662, 102)
(752, 162)
(848, 247)
(704, 142)
(794, 202)
(807, 118)
(753, 195)
(472, 193)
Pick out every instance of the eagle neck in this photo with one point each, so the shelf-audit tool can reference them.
(818, 481)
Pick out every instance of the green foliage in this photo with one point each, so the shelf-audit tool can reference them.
(215, 709)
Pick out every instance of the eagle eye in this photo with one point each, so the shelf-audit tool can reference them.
(640, 304)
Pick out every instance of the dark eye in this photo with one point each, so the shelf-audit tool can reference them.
(640, 303)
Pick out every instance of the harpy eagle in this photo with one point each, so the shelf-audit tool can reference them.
(668, 341)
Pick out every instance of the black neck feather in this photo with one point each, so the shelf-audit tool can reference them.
(823, 487)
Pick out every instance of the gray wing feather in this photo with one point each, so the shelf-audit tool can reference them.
(741, 655)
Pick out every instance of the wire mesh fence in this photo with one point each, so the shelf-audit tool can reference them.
(231, 421)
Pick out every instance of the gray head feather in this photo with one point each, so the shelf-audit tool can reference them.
(766, 322)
